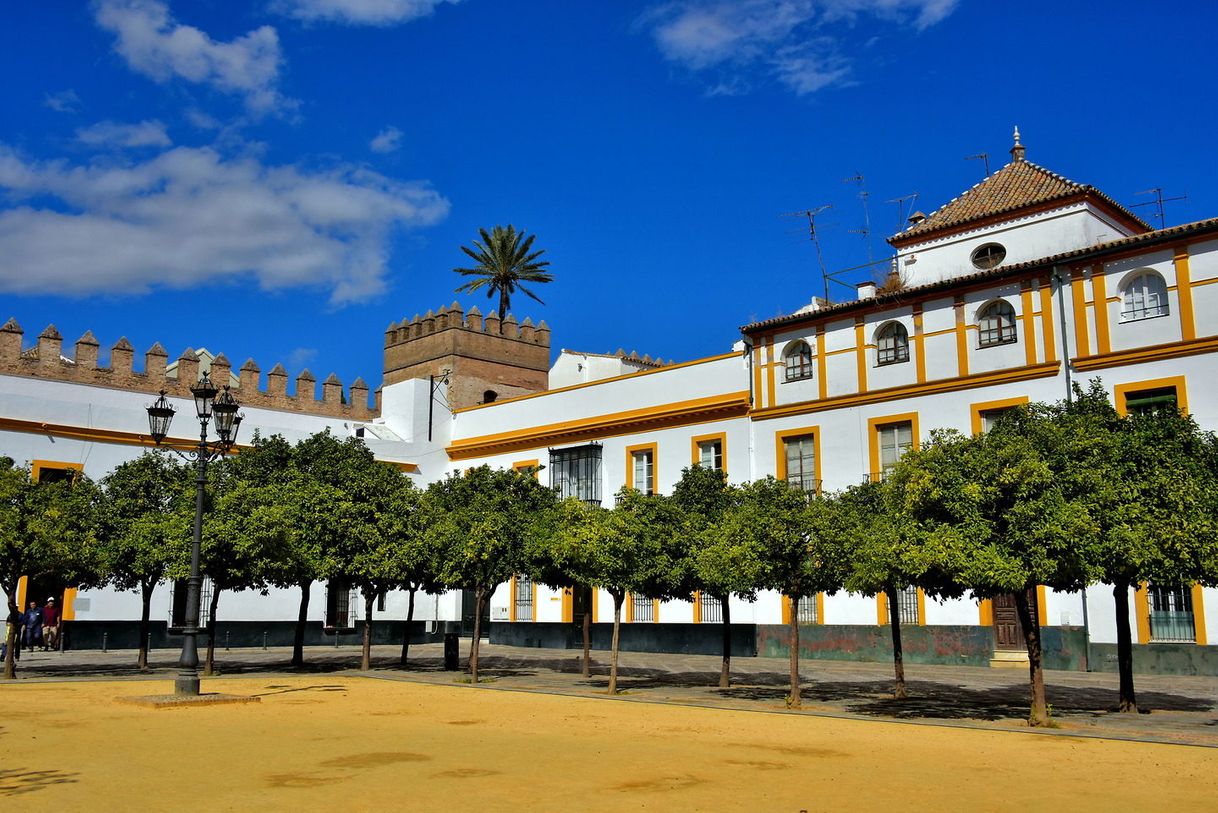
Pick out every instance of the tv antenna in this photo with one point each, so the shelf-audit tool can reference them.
(811, 214)
(981, 156)
(863, 196)
(900, 202)
(1158, 202)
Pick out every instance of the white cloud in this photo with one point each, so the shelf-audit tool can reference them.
(301, 357)
(117, 134)
(799, 43)
(359, 12)
(387, 140)
(153, 43)
(66, 101)
(191, 216)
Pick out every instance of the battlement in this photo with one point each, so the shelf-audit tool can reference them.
(45, 359)
(484, 358)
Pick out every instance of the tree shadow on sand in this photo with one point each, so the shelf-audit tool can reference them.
(16, 781)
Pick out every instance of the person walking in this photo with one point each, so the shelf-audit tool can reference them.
(31, 627)
(50, 625)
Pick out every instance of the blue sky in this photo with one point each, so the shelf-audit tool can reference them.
(282, 179)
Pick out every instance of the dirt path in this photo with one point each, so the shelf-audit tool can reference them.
(357, 744)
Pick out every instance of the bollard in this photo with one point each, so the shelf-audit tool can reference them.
(150, 642)
(336, 634)
(452, 652)
(226, 641)
(105, 642)
(264, 640)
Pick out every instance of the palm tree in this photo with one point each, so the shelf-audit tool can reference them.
(504, 261)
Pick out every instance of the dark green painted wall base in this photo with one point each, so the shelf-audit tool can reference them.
(1159, 659)
(680, 639)
(236, 634)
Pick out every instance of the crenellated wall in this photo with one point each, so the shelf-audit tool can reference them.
(46, 359)
(479, 355)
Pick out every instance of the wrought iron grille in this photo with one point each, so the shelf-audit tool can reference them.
(711, 609)
(340, 606)
(177, 603)
(576, 472)
(807, 610)
(644, 609)
(1171, 614)
(524, 598)
(907, 603)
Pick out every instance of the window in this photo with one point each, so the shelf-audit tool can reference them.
(892, 344)
(177, 603)
(988, 256)
(711, 609)
(710, 454)
(340, 609)
(576, 472)
(1171, 614)
(996, 324)
(643, 463)
(807, 610)
(800, 456)
(1145, 297)
(990, 418)
(1151, 402)
(895, 439)
(907, 605)
(522, 598)
(798, 359)
(642, 608)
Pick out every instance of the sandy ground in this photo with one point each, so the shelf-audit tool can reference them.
(330, 743)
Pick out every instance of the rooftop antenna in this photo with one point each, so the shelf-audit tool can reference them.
(900, 202)
(981, 156)
(863, 196)
(1157, 203)
(811, 214)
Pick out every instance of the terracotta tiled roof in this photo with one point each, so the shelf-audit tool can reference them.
(1018, 185)
(1148, 238)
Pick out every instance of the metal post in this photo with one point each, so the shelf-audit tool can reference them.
(187, 681)
(105, 642)
(264, 640)
(226, 640)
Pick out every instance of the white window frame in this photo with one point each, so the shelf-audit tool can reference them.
(798, 361)
(643, 461)
(1144, 297)
(710, 454)
(895, 439)
(891, 344)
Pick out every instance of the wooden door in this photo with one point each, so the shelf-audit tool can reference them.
(1007, 631)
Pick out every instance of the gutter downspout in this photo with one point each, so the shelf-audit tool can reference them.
(748, 368)
(1060, 278)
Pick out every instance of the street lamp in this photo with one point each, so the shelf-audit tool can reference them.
(209, 402)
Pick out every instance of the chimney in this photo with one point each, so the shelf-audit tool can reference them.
(866, 290)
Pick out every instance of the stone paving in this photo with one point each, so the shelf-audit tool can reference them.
(1182, 709)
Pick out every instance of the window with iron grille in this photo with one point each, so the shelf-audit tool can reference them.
(643, 609)
(800, 453)
(797, 359)
(1145, 297)
(1171, 614)
(996, 324)
(892, 344)
(807, 610)
(644, 463)
(576, 472)
(340, 606)
(177, 603)
(907, 604)
(711, 609)
(524, 598)
(1151, 402)
(710, 454)
(895, 440)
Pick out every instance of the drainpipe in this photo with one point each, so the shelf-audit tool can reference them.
(1059, 277)
(748, 365)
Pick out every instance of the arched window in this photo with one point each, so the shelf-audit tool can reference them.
(1145, 297)
(892, 344)
(798, 358)
(996, 324)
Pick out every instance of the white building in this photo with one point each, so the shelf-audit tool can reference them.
(1022, 284)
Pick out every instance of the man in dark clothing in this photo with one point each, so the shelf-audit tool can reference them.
(31, 626)
(50, 625)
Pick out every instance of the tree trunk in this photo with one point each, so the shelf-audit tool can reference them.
(302, 620)
(1025, 605)
(210, 665)
(365, 662)
(587, 643)
(10, 636)
(141, 660)
(793, 699)
(617, 631)
(473, 646)
(725, 670)
(898, 654)
(409, 624)
(1128, 702)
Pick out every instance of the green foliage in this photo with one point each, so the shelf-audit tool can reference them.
(503, 261)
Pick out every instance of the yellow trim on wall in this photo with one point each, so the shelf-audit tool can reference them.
(1121, 391)
(1029, 321)
(1102, 342)
(1199, 615)
(36, 467)
(596, 600)
(780, 452)
(22, 584)
(978, 409)
(961, 338)
(1184, 293)
(695, 453)
(1046, 319)
(568, 605)
(654, 448)
(985, 612)
(697, 606)
(1081, 337)
(786, 610)
(757, 393)
(919, 344)
(512, 599)
(860, 347)
(822, 363)
(1041, 612)
(69, 604)
(881, 608)
(1141, 612)
(525, 465)
(873, 436)
(1154, 352)
(820, 608)
(771, 386)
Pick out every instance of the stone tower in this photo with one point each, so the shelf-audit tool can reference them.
(484, 359)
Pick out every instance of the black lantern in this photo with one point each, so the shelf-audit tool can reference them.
(227, 419)
(204, 393)
(159, 416)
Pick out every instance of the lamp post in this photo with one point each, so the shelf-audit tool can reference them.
(209, 402)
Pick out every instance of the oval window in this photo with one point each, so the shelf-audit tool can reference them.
(989, 256)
